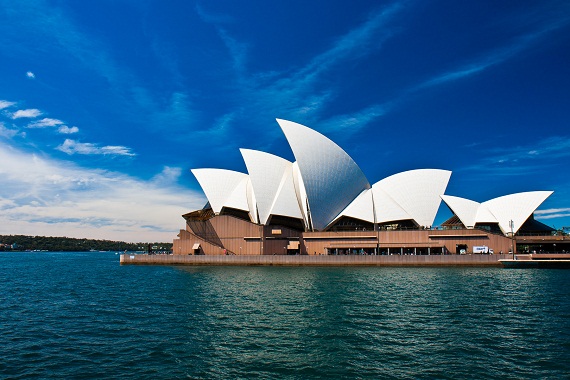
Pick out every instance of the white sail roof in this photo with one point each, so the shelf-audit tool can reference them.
(286, 202)
(325, 184)
(484, 215)
(465, 209)
(300, 192)
(272, 181)
(387, 209)
(251, 202)
(517, 207)
(361, 208)
(417, 192)
(331, 178)
(223, 188)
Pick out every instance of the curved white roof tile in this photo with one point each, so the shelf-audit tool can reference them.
(484, 215)
(361, 208)
(286, 202)
(386, 209)
(465, 209)
(238, 198)
(272, 180)
(331, 177)
(223, 188)
(300, 192)
(516, 207)
(417, 192)
(252, 203)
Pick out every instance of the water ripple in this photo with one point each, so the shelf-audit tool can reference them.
(81, 315)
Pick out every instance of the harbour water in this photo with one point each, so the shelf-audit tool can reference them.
(82, 315)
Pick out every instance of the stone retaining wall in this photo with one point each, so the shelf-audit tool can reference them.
(318, 260)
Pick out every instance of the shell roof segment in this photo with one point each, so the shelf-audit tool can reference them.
(331, 178)
(386, 208)
(465, 209)
(361, 208)
(516, 207)
(272, 181)
(417, 192)
(223, 188)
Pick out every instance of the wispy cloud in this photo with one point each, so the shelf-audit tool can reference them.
(353, 122)
(168, 175)
(178, 111)
(238, 51)
(42, 196)
(219, 131)
(552, 210)
(478, 65)
(496, 56)
(554, 147)
(30, 75)
(27, 113)
(552, 213)
(358, 42)
(71, 147)
(64, 129)
(7, 132)
(6, 104)
(212, 18)
(44, 123)
(55, 31)
(296, 93)
(519, 160)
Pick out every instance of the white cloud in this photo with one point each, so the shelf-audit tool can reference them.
(117, 150)
(493, 58)
(5, 104)
(296, 91)
(168, 175)
(43, 196)
(70, 147)
(6, 132)
(516, 160)
(28, 113)
(552, 213)
(354, 122)
(45, 122)
(554, 216)
(64, 129)
(30, 75)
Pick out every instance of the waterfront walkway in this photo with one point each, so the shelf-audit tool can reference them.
(316, 260)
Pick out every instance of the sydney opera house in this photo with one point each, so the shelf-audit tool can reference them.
(322, 204)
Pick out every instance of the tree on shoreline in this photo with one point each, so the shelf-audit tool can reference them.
(65, 244)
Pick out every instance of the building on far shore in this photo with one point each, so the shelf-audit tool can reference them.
(322, 204)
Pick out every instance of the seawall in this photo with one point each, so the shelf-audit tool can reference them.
(317, 260)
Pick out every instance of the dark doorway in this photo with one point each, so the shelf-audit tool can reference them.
(460, 249)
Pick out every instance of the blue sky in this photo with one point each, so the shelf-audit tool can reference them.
(105, 106)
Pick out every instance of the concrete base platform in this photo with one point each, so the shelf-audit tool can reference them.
(317, 260)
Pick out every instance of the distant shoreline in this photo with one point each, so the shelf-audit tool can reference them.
(27, 243)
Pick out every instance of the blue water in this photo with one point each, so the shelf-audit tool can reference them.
(82, 315)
